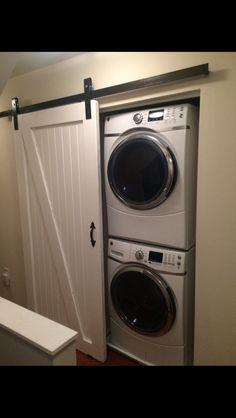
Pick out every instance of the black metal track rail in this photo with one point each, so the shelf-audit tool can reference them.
(159, 80)
(153, 81)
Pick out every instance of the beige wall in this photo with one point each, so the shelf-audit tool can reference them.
(215, 330)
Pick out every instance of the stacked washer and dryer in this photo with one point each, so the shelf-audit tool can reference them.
(150, 160)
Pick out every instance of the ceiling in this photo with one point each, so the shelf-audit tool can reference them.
(16, 63)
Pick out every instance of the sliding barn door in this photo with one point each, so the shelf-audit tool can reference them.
(58, 168)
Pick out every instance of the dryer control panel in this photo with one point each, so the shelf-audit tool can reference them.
(158, 118)
(160, 259)
(172, 115)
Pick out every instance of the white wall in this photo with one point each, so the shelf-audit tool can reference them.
(215, 328)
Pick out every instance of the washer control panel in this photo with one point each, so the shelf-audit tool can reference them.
(155, 257)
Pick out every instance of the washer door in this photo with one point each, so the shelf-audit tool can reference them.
(142, 300)
(141, 170)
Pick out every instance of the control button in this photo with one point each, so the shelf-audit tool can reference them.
(181, 115)
(139, 255)
(178, 263)
(138, 117)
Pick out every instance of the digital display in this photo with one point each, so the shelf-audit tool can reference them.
(156, 115)
(156, 257)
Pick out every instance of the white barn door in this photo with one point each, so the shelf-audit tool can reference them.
(59, 179)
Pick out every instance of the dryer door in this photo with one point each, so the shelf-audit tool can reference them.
(142, 300)
(141, 170)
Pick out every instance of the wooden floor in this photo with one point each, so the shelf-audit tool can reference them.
(113, 359)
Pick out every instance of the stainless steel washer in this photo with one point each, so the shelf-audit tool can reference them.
(151, 302)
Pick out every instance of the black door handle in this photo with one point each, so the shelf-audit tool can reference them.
(92, 227)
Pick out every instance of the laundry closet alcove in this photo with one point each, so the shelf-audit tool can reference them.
(59, 180)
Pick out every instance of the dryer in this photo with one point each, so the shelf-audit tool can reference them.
(150, 163)
(151, 302)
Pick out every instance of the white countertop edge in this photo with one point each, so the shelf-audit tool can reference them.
(39, 331)
(41, 347)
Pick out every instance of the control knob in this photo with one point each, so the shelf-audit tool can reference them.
(139, 255)
(138, 117)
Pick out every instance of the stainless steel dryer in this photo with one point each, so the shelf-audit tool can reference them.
(151, 173)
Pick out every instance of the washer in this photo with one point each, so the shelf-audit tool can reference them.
(150, 161)
(151, 302)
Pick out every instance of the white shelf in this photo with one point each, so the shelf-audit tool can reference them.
(45, 334)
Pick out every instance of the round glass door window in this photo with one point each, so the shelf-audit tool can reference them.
(142, 300)
(141, 171)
